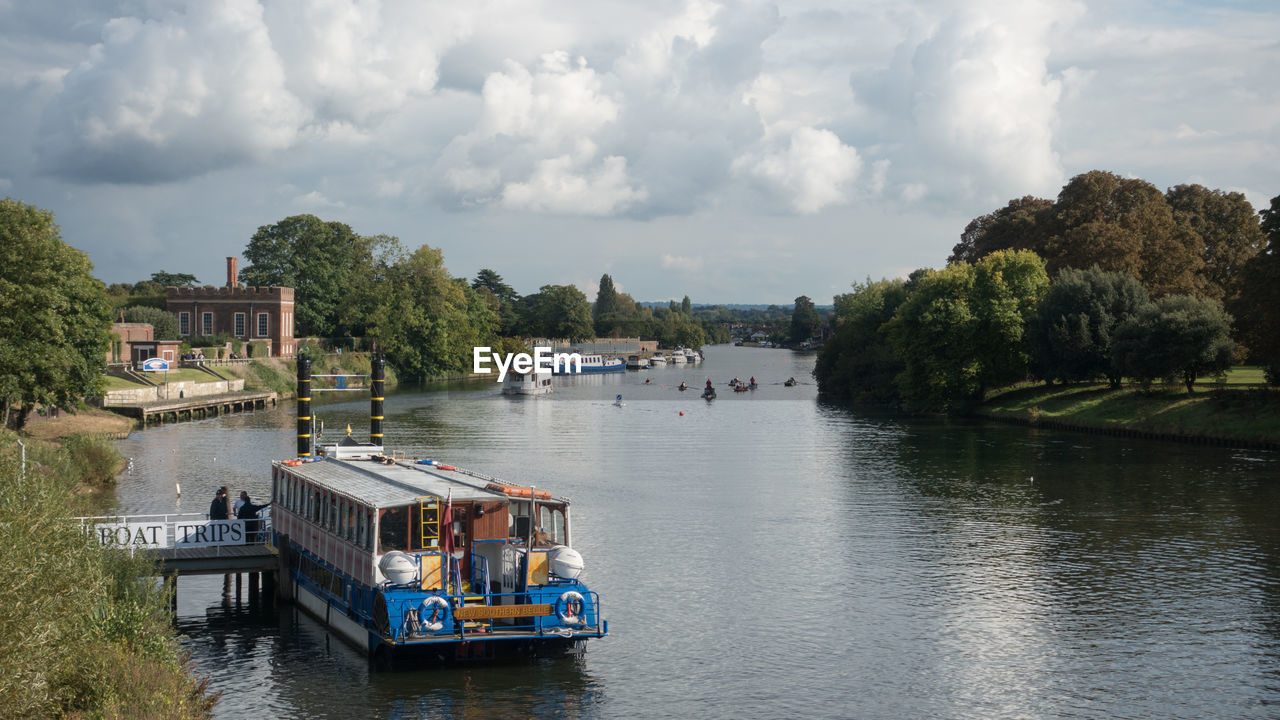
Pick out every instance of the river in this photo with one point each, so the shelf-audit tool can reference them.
(767, 556)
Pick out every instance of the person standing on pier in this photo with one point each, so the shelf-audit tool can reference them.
(218, 508)
(248, 512)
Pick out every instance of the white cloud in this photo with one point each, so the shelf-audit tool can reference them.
(681, 263)
(178, 95)
(813, 171)
(557, 187)
(983, 103)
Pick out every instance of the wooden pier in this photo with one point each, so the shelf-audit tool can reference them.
(195, 408)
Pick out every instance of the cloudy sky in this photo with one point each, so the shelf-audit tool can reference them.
(732, 151)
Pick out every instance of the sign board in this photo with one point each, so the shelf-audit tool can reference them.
(149, 536)
(155, 364)
(477, 612)
(207, 533)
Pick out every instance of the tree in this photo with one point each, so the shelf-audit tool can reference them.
(1124, 225)
(54, 319)
(933, 332)
(804, 320)
(428, 322)
(606, 308)
(858, 363)
(1018, 225)
(167, 279)
(1177, 336)
(961, 329)
(1076, 320)
(1229, 232)
(686, 306)
(1257, 308)
(318, 259)
(557, 311)
(164, 324)
(1007, 286)
(489, 284)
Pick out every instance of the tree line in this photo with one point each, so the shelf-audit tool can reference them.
(1111, 280)
(55, 317)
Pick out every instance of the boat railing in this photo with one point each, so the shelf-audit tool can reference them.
(421, 621)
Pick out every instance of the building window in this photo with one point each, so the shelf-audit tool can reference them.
(263, 324)
(286, 326)
(184, 323)
(206, 323)
(239, 331)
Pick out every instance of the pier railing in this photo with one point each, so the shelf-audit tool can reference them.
(176, 531)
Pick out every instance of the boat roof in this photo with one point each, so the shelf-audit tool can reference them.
(379, 485)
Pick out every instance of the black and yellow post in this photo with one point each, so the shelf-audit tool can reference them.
(377, 372)
(304, 406)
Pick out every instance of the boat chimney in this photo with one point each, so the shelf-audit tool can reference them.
(233, 277)
(377, 372)
(304, 406)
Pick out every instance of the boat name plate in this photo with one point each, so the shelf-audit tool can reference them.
(501, 611)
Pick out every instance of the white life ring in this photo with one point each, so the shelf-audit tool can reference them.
(570, 607)
(433, 612)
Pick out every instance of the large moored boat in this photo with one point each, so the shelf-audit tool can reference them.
(401, 555)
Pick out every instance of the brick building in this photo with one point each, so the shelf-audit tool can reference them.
(249, 314)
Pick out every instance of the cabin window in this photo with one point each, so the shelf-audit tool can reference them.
(361, 524)
(342, 516)
(551, 522)
(315, 507)
(351, 524)
(393, 529)
(333, 514)
(518, 519)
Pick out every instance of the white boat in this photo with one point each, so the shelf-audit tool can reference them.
(526, 384)
(678, 357)
(693, 356)
(589, 364)
(635, 362)
(657, 359)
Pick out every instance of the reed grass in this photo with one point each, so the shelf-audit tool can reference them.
(85, 631)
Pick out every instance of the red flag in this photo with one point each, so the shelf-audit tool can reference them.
(446, 526)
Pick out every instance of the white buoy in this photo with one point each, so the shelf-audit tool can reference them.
(178, 487)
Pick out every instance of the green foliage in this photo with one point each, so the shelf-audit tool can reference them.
(164, 323)
(805, 321)
(557, 311)
(857, 364)
(93, 460)
(1228, 229)
(1180, 336)
(85, 631)
(1257, 307)
(933, 332)
(501, 297)
(1075, 321)
(961, 329)
(606, 307)
(427, 322)
(54, 318)
(256, 349)
(324, 262)
(168, 279)
(1192, 240)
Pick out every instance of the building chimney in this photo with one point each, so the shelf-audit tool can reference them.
(233, 278)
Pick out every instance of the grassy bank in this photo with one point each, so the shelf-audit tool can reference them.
(85, 632)
(1234, 412)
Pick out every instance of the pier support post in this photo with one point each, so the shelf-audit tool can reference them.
(284, 586)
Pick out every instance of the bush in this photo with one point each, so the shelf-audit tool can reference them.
(93, 460)
(85, 631)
